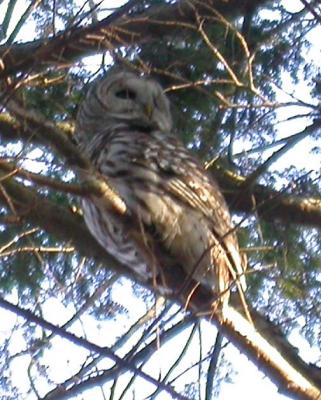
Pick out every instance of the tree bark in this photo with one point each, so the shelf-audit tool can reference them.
(269, 204)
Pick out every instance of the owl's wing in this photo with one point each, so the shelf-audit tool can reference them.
(184, 177)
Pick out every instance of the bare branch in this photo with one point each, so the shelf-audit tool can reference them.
(70, 388)
(290, 143)
(22, 20)
(271, 205)
(105, 351)
(179, 357)
(310, 8)
(156, 22)
(212, 368)
(7, 18)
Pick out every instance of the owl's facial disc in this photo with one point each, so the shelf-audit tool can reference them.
(139, 102)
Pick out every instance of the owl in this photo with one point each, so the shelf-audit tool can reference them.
(124, 126)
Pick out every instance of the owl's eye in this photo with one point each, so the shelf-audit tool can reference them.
(126, 94)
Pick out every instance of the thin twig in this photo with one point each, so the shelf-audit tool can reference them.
(34, 4)
(253, 177)
(178, 359)
(92, 347)
(312, 10)
(213, 365)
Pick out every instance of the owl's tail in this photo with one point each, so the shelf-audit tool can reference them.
(237, 269)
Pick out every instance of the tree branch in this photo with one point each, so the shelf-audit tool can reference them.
(213, 366)
(271, 205)
(290, 143)
(7, 19)
(113, 31)
(69, 388)
(104, 351)
(310, 8)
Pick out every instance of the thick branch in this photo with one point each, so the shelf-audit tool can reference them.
(267, 358)
(269, 204)
(31, 124)
(113, 31)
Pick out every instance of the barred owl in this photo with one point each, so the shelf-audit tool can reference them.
(124, 126)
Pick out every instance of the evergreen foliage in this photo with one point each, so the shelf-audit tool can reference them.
(233, 73)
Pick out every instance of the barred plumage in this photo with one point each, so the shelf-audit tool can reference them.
(124, 125)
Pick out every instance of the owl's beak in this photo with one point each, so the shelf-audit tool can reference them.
(149, 109)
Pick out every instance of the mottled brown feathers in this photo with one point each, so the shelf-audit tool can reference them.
(124, 126)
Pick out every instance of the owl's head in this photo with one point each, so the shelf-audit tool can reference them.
(124, 97)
